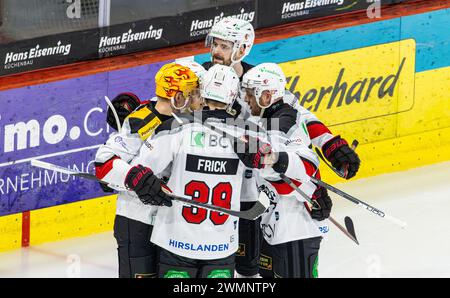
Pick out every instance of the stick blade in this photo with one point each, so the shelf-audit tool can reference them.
(350, 227)
(259, 208)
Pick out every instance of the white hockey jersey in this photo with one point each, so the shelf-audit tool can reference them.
(205, 168)
(316, 134)
(317, 131)
(114, 157)
(288, 219)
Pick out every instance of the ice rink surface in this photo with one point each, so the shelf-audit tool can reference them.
(420, 196)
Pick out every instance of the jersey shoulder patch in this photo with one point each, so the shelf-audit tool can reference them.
(144, 122)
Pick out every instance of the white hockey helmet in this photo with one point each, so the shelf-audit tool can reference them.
(239, 32)
(192, 65)
(220, 83)
(265, 76)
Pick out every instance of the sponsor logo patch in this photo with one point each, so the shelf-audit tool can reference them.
(241, 250)
(265, 262)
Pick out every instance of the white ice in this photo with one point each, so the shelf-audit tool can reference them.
(420, 196)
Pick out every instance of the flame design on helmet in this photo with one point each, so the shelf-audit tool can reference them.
(173, 78)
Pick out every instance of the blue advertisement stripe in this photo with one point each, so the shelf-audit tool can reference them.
(432, 34)
(430, 30)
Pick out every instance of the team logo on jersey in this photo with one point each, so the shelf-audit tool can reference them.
(198, 139)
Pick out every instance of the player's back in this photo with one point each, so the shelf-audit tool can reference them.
(205, 168)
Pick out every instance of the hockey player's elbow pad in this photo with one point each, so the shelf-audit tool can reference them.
(101, 170)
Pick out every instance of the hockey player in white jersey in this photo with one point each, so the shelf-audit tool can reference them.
(230, 41)
(196, 242)
(176, 89)
(292, 230)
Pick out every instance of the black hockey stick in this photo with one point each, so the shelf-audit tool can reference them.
(360, 203)
(340, 172)
(258, 208)
(350, 233)
(343, 173)
(349, 225)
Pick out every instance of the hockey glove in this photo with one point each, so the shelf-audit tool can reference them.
(321, 196)
(147, 186)
(341, 156)
(124, 104)
(252, 151)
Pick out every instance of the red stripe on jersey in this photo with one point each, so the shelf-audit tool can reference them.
(317, 176)
(316, 129)
(103, 169)
(309, 167)
(283, 188)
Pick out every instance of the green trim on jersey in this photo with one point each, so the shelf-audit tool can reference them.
(315, 271)
(176, 274)
(220, 273)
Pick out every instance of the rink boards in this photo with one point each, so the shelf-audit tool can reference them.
(385, 84)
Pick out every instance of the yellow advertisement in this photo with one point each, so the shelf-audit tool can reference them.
(369, 85)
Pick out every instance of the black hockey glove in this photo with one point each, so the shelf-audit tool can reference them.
(341, 156)
(147, 186)
(124, 103)
(321, 196)
(252, 151)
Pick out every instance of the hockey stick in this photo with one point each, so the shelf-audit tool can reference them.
(349, 225)
(116, 117)
(259, 208)
(350, 233)
(366, 206)
(342, 172)
(288, 181)
(360, 203)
